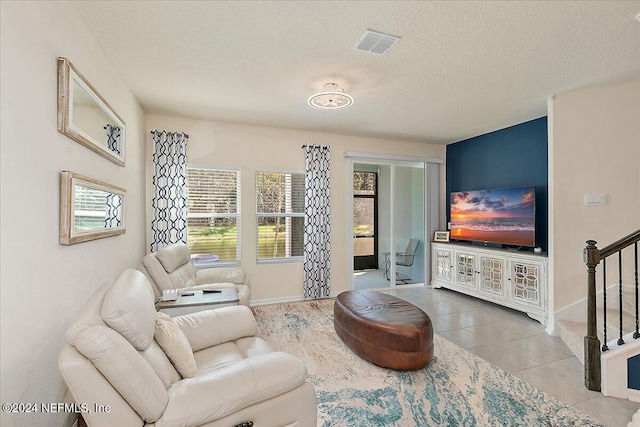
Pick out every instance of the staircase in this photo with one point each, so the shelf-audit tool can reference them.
(573, 333)
(614, 360)
(608, 341)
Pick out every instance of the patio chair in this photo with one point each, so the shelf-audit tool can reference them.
(404, 259)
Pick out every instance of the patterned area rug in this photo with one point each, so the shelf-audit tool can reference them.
(456, 389)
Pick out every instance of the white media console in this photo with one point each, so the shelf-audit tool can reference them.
(513, 279)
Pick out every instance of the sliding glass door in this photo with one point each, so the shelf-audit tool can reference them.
(408, 223)
(389, 224)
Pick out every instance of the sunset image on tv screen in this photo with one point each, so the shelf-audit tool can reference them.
(505, 215)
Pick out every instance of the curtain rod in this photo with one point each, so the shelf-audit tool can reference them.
(185, 135)
(316, 145)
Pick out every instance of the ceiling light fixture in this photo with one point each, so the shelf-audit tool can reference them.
(333, 98)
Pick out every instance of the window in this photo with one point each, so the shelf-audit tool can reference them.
(213, 213)
(280, 215)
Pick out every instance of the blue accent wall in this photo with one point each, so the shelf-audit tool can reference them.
(512, 157)
(633, 372)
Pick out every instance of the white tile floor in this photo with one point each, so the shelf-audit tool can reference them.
(517, 344)
(372, 279)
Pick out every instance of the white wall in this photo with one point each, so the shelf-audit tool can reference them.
(254, 147)
(595, 149)
(43, 284)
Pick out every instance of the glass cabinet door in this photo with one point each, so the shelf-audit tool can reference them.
(492, 272)
(465, 270)
(443, 264)
(525, 282)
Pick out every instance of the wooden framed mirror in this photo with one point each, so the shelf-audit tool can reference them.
(85, 116)
(89, 209)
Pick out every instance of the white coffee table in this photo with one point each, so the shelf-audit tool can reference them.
(193, 301)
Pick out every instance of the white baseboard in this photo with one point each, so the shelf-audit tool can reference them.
(634, 396)
(551, 329)
(612, 294)
(281, 300)
(576, 312)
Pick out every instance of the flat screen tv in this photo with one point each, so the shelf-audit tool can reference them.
(504, 215)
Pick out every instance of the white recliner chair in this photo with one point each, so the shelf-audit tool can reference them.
(112, 359)
(171, 268)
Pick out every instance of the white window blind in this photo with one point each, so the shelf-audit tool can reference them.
(213, 213)
(91, 208)
(280, 215)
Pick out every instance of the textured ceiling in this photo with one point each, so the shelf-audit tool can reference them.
(460, 69)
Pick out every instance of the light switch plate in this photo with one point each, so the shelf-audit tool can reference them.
(595, 199)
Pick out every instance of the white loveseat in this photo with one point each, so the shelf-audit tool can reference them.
(111, 358)
(171, 268)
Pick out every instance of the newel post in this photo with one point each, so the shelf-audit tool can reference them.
(591, 341)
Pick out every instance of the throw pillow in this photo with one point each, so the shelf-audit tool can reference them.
(174, 343)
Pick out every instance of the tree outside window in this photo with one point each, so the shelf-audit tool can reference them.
(280, 215)
(213, 213)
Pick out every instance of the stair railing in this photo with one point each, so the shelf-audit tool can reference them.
(592, 348)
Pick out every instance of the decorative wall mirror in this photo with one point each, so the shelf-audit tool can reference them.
(89, 209)
(84, 116)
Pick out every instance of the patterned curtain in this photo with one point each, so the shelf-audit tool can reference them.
(169, 224)
(113, 138)
(317, 224)
(113, 217)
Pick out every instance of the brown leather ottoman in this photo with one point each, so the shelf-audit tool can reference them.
(383, 329)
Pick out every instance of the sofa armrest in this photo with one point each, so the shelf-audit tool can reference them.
(211, 396)
(212, 327)
(221, 275)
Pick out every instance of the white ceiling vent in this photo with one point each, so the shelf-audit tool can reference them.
(374, 42)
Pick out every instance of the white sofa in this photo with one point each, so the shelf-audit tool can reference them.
(171, 268)
(111, 358)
